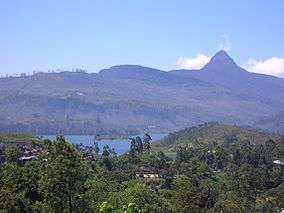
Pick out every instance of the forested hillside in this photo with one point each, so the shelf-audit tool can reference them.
(128, 99)
(239, 177)
(212, 134)
(18, 138)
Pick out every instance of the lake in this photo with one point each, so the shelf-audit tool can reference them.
(120, 145)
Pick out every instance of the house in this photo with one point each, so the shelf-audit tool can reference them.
(148, 176)
(25, 158)
(279, 162)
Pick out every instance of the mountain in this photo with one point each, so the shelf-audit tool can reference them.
(129, 99)
(222, 70)
(212, 133)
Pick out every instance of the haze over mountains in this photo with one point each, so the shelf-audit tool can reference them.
(131, 98)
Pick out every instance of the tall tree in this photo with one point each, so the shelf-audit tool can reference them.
(132, 151)
(96, 145)
(106, 157)
(63, 176)
(139, 144)
(146, 140)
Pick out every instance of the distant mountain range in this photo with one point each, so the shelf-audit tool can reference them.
(129, 98)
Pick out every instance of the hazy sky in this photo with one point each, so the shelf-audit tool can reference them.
(65, 34)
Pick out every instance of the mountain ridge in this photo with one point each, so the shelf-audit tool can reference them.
(138, 98)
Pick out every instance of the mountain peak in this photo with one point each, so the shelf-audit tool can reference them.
(221, 61)
(222, 58)
(221, 54)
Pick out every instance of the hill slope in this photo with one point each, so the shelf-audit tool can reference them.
(129, 98)
(212, 133)
(19, 138)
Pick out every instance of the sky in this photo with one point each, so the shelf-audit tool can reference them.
(92, 35)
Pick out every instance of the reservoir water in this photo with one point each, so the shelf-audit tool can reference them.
(120, 145)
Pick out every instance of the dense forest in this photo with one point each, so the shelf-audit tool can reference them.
(232, 176)
(212, 134)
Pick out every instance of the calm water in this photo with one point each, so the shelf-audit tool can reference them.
(120, 145)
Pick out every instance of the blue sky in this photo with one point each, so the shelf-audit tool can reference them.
(42, 35)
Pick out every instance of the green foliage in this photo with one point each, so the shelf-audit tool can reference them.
(280, 148)
(233, 176)
(11, 188)
(105, 207)
(12, 153)
(131, 208)
(18, 138)
(63, 176)
(272, 200)
(107, 156)
(31, 180)
(136, 147)
(229, 202)
(139, 144)
(186, 196)
(100, 190)
(146, 143)
(96, 146)
(212, 134)
(142, 196)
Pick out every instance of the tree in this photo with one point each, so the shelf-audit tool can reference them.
(209, 194)
(186, 196)
(133, 152)
(62, 177)
(230, 139)
(269, 151)
(12, 153)
(280, 148)
(221, 158)
(160, 160)
(251, 182)
(31, 175)
(271, 201)
(96, 145)
(237, 159)
(131, 208)
(11, 188)
(106, 157)
(146, 140)
(184, 154)
(141, 198)
(105, 207)
(229, 202)
(106, 151)
(139, 144)
(99, 190)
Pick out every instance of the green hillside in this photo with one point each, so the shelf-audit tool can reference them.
(18, 138)
(212, 133)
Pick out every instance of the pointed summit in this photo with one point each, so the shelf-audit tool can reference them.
(222, 54)
(221, 61)
(222, 58)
